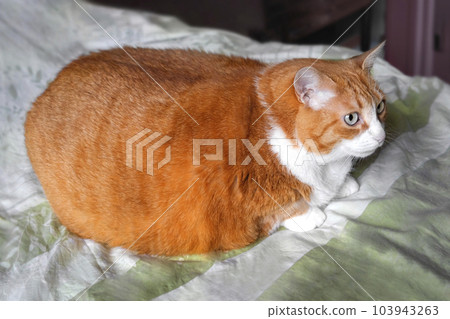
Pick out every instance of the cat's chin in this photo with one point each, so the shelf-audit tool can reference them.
(364, 154)
(364, 151)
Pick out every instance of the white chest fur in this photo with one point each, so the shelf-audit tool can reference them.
(325, 174)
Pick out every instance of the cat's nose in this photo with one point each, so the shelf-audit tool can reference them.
(380, 138)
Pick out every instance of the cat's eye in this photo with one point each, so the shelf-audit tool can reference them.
(380, 107)
(351, 118)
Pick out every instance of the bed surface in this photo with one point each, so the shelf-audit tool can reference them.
(389, 241)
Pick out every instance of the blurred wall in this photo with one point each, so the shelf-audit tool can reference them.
(418, 37)
(234, 15)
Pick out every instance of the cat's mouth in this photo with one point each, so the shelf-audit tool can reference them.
(368, 151)
(360, 150)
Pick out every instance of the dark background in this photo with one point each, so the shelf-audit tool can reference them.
(417, 31)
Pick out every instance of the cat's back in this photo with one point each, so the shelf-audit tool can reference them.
(121, 89)
(168, 68)
(144, 80)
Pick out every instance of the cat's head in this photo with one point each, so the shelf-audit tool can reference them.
(341, 108)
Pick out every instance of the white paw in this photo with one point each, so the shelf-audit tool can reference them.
(312, 219)
(349, 187)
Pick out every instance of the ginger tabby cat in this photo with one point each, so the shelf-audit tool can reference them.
(281, 159)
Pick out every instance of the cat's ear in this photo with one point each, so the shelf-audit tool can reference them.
(312, 88)
(367, 59)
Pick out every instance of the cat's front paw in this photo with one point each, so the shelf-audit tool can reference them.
(312, 219)
(349, 187)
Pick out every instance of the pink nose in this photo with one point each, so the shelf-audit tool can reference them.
(380, 139)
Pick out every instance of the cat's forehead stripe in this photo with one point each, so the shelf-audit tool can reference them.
(359, 101)
(365, 91)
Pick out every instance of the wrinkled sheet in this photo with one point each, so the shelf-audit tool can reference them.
(391, 240)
